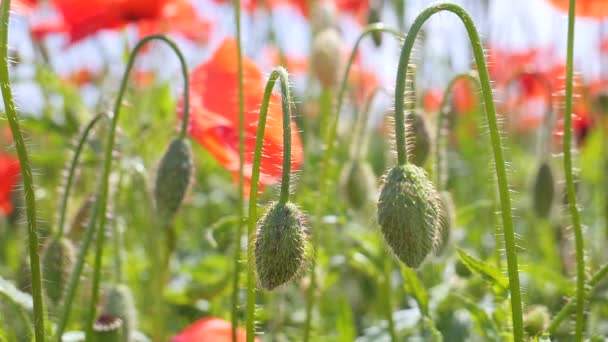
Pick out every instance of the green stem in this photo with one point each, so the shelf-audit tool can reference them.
(501, 173)
(26, 173)
(569, 308)
(329, 143)
(576, 223)
(281, 74)
(441, 132)
(75, 273)
(388, 290)
(71, 171)
(103, 198)
(241, 185)
(358, 141)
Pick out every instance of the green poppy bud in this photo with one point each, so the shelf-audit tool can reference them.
(174, 177)
(57, 263)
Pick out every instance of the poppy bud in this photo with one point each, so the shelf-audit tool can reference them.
(108, 328)
(173, 178)
(419, 140)
(374, 17)
(82, 217)
(408, 213)
(536, 320)
(281, 244)
(324, 15)
(358, 183)
(118, 302)
(325, 57)
(544, 189)
(446, 220)
(57, 262)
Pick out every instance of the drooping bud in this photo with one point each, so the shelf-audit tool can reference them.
(118, 302)
(325, 57)
(418, 138)
(108, 328)
(281, 244)
(408, 213)
(375, 9)
(544, 190)
(446, 221)
(173, 178)
(358, 183)
(57, 263)
(82, 217)
(536, 320)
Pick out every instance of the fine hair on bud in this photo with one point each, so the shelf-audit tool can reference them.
(446, 221)
(325, 57)
(418, 138)
(108, 328)
(281, 244)
(173, 178)
(118, 302)
(57, 262)
(82, 217)
(544, 190)
(358, 183)
(408, 213)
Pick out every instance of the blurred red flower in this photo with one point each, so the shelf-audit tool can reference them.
(9, 175)
(581, 125)
(23, 6)
(431, 100)
(210, 329)
(214, 115)
(584, 8)
(465, 98)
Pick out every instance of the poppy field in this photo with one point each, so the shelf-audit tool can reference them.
(303, 170)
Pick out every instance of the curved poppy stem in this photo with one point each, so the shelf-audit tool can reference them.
(569, 308)
(501, 173)
(241, 182)
(441, 132)
(103, 198)
(281, 74)
(26, 174)
(329, 143)
(576, 221)
(84, 136)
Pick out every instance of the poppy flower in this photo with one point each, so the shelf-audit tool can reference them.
(464, 97)
(210, 329)
(581, 126)
(82, 77)
(584, 8)
(24, 6)
(9, 175)
(214, 116)
(431, 100)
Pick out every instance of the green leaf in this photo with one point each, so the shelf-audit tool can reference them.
(414, 287)
(15, 296)
(345, 324)
(485, 326)
(486, 271)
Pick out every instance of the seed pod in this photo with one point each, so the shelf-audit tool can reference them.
(57, 262)
(281, 244)
(81, 219)
(544, 189)
(536, 320)
(408, 213)
(324, 15)
(108, 328)
(446, 221)
(325, 57)
(375, 8)
(418, 138)
(358, 183)
(173, 178)
(118, 302)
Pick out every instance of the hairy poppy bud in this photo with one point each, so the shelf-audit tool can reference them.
(325, 57)
(544, 190)
(536, 320)
(408, 213)
(173, 178)
(118, 302)
(358, 183)
(419, 140)
(375, 8)
(108, 328)
(281, 244)
(57, 263)
(446, 220)
(82, 217)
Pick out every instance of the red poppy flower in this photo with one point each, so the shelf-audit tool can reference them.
(581, 125)
(23, 6)
(9, 175)
(584, 8)
(214, 115)
(82, 77)
(210, 329)
(362, 81)
(431, 100)
(464, 97)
